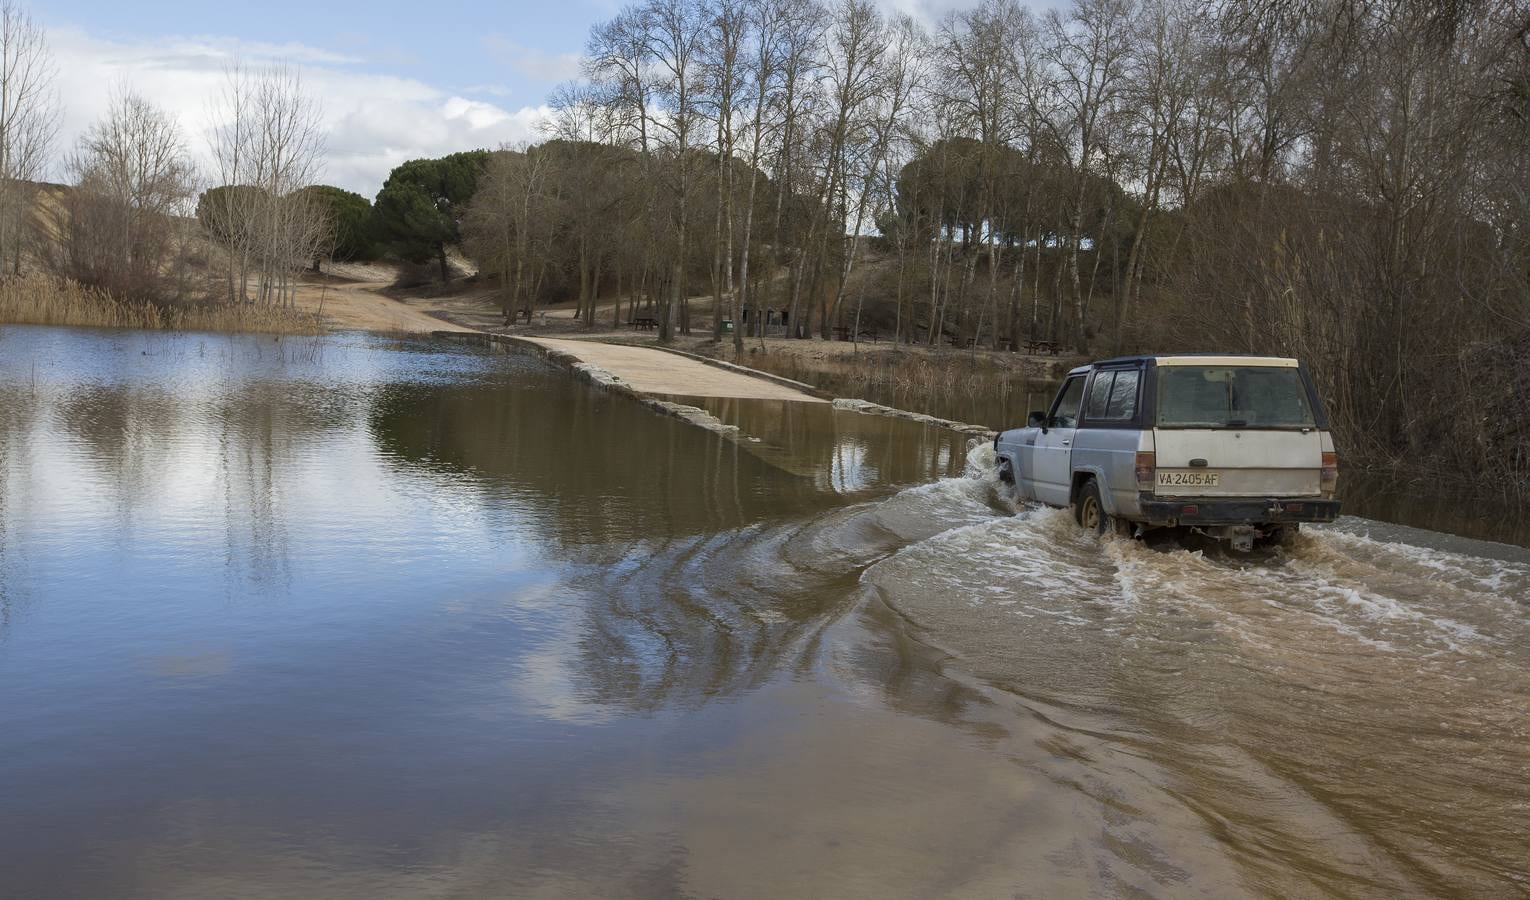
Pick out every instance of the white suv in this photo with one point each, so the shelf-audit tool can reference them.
(1236, 447)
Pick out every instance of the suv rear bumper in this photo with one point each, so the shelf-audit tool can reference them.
(1237, 511)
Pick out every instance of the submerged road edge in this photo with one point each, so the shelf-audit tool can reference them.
(609, 381)
(597, 376)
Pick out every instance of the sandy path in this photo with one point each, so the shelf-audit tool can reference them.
(657, 372)
(361, 306)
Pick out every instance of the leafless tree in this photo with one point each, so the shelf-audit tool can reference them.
(765, 64)
(676, 30)
(133, 183)
(267, 144)
(1089, 50)
(503, 221)
(29, 117)
(723, 74)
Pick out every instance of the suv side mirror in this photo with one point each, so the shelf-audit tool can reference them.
(1036, 420)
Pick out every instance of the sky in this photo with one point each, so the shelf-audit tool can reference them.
(396, 80)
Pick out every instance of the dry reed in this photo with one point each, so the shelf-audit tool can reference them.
(38, 299)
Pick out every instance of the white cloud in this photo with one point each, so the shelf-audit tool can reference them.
(930, 12)
(532, 62)
(375, 121)
(493, 90)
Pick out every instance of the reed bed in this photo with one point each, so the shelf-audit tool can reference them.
(954, 385)
(38, 299)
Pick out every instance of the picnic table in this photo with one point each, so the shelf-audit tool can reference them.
(644, 323)
(521, 314)
(868, 333)
(1051, 347)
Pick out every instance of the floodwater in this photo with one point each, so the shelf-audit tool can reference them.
(346, 617)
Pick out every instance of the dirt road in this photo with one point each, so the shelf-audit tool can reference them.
(658, 372)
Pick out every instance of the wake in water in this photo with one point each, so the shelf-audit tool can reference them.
(1338, 700)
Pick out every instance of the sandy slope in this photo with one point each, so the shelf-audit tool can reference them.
(362, 306)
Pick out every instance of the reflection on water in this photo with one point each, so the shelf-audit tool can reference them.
(1427, 503)
(359, 618)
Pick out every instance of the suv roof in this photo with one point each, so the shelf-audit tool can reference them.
(1194, 359)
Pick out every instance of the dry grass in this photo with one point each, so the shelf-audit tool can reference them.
(38, 299)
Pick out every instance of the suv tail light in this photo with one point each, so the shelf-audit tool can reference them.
(1147, 465)
(1330, 480)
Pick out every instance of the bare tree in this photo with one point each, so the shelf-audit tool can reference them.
(503, 219)
(767, 20)
(675, 32)
(133, 183)
(854, 45)
(978, 64)
(803, 23)
(268, 141)
(1089, 51)
(723, 68)
(29, 116)
(1161, 84)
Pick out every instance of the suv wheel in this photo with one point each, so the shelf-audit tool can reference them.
(1089, 512)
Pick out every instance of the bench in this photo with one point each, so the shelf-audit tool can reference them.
(645, 323)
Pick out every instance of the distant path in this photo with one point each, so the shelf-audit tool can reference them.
(363, 307)
(657, 372)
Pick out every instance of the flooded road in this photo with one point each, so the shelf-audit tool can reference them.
(354, 618)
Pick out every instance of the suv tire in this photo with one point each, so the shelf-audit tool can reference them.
(1089, 512)
(1089, 509)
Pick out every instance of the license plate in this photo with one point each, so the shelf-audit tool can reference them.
(1189, 479)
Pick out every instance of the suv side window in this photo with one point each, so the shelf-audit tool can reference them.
(1112, 397)
(1123, 396)
(1069, 399)
(1099, 395)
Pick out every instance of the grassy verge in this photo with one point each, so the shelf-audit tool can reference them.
(37, 299)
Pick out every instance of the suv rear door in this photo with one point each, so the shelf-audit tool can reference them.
(1236, 429)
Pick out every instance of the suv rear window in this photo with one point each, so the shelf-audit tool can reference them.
(1232, 397)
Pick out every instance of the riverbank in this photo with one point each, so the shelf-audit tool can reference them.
(38, 299)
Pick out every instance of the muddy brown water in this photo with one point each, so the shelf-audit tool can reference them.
(357, 618)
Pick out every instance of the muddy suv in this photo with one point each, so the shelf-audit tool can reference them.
(1236, 447)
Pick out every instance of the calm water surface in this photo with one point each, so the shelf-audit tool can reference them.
(346, 617)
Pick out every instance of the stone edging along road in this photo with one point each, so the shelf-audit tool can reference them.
(554, 351)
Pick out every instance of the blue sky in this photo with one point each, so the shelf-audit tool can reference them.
(398, 80)
(512, 51)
